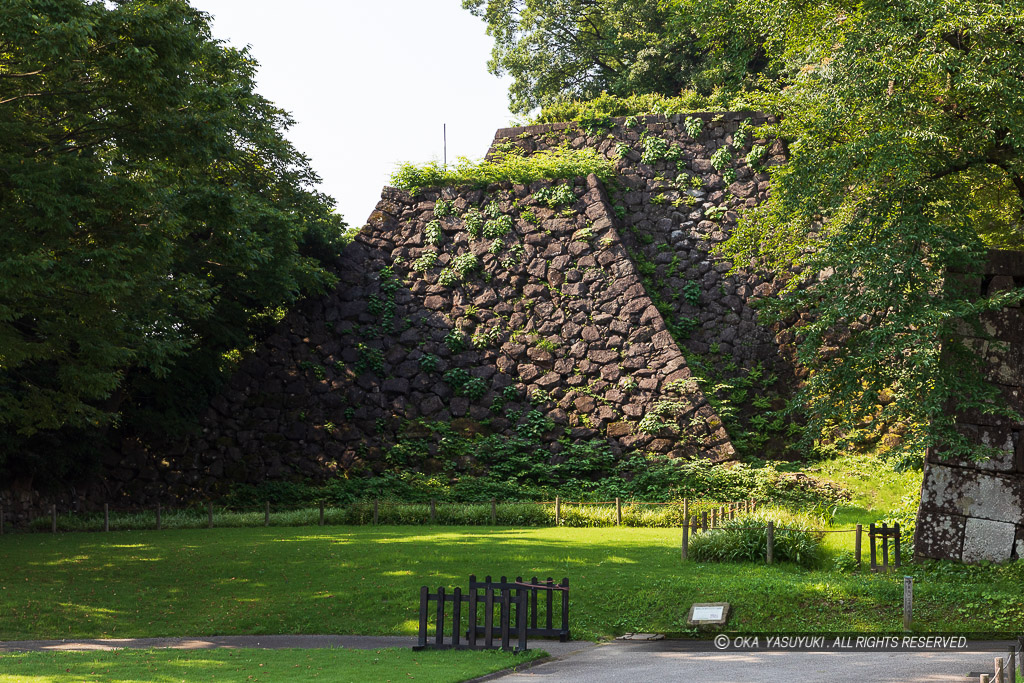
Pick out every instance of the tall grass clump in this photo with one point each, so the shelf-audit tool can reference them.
(507, 165)
(745, 539)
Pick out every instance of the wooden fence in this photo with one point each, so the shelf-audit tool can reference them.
(159, 512)
(517, 606)
(707, 523)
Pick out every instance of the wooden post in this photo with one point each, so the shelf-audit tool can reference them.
(984, 678)
(106, 516)
(711, 517)
(424, 601)
(1000, 675)
(558, 510)
(494, 512)
(159, 517)
(433, 511)
(753, 505)
(618, 511)
(686, 537)
(53, 517)
(1013, 664)
(321, 523)
(704, 520)
(771, 542)
(908, 601)
(376, 506)
(896, 550)
(209, 515)
(885, 548)
(856, 543)
(686, 508)
(266, 514)
(871, 540)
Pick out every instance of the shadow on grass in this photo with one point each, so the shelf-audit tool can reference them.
(366, 580)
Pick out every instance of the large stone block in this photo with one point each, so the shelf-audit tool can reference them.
(939, 535)
(985, 539)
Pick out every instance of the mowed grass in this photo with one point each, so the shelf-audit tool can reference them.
(366, 580)
(226, 666)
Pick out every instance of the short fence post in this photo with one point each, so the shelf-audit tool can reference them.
(159, 519)
(704, 520)
(896, 549)
(433, 511)
(1013, 664)
(686, 537)
(984, 678)
(712, 517)
(439, 631)
(686, 508)
(618, 511)
(885, 548)
(321, 523)
(376, 505)
(753, 505)
(209, 515)
(771, 542)
(871, 540)
(494, 512)
(558, 510)
(53, 518)
(266, 514)
(106, 516)
(856, 543)
(422, 642)
(1000, 675)
(908, 601)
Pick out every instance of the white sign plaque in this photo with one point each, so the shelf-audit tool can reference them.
(708, 613)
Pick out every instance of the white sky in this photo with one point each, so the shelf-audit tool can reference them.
(370, 83)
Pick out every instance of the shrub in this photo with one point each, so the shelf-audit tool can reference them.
(506, 167)
(745, 539)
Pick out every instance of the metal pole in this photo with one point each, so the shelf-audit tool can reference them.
(856, 543)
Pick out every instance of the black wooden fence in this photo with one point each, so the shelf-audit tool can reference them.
(517, 606)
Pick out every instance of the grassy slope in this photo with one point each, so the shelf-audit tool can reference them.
(364, 580)
(171, 666)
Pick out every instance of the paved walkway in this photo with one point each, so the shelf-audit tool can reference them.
(681, 661)
(553, 647)
(665, 660)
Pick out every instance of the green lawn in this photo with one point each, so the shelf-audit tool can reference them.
(224, 666)
(365, 580)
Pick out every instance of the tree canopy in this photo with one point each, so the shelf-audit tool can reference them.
(558, 49)
(153, 213)
(905, 129)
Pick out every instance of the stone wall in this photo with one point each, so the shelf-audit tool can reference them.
(552, 318)
(590, 313)
(975, 511)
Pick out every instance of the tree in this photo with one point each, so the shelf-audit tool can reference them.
(559, 49)
(154, 215)
(906, 139)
